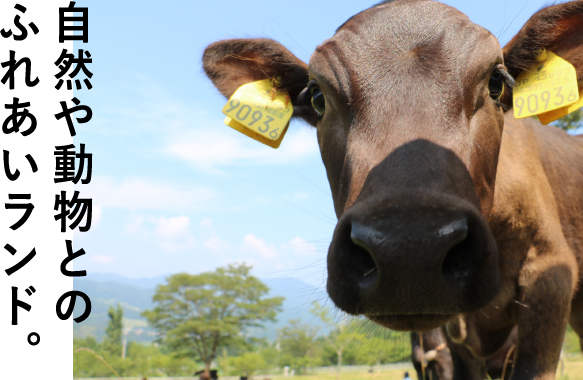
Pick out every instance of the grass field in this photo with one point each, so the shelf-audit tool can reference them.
(573, 371)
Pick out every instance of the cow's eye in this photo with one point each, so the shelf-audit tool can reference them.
(496, 86)
(318, 101)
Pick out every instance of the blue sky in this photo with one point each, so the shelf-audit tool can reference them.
(173, 188)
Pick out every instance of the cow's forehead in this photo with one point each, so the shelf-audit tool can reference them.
(416, 38)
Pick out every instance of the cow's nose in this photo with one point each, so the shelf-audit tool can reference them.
(390, 265)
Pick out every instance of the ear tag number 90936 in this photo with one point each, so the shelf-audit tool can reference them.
(260, 111)
(548, 87)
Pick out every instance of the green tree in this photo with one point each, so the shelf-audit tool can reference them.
(244, 365)
(198, 314)
(571, 341)
(270, 353)
(381, 345)
(113, 332)
(359, 341)
(299, 346)
(342, 332)
(91, 359)
(574, 120)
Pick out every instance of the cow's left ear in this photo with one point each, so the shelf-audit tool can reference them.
(559, 29)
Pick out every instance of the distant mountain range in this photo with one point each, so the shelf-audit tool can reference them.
(135, 296)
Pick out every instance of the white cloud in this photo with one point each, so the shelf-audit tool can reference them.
(254, 245)
(212, 241)
(216, 245)
(140, 106)
(97, 211)
(215, 147)
(171, 234)
(138, 193)
(136, 226)
(102, 259)
(189, 132)
(301, 246)
(206, 224)
(172, 228)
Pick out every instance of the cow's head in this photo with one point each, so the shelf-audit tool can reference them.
(408, 98)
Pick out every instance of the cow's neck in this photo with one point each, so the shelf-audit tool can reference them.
(538, 210)
(539, 185)
(538, 197)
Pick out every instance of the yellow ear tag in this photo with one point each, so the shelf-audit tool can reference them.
(549, 117)
(261, 111)
(548, 87)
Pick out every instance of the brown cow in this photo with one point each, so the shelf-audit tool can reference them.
(450, 211)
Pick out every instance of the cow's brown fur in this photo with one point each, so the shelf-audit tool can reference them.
(412, 144)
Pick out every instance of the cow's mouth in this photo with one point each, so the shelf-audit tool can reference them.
(411, 322)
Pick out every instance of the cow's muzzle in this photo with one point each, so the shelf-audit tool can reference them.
(412, 266)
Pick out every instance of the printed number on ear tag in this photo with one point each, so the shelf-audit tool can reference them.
(549, 117)
(547, 87)
(260, 111)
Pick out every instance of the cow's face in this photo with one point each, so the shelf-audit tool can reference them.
(400, 74)
(409, 127)
(408, 98)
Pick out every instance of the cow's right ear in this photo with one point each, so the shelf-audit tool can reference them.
(233, 63)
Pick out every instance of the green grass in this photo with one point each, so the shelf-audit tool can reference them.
(573, 371)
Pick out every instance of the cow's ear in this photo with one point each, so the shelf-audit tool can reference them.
(232, 63)
(558, 28)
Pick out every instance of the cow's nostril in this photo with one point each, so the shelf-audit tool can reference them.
(456, 266)
(364, 267)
